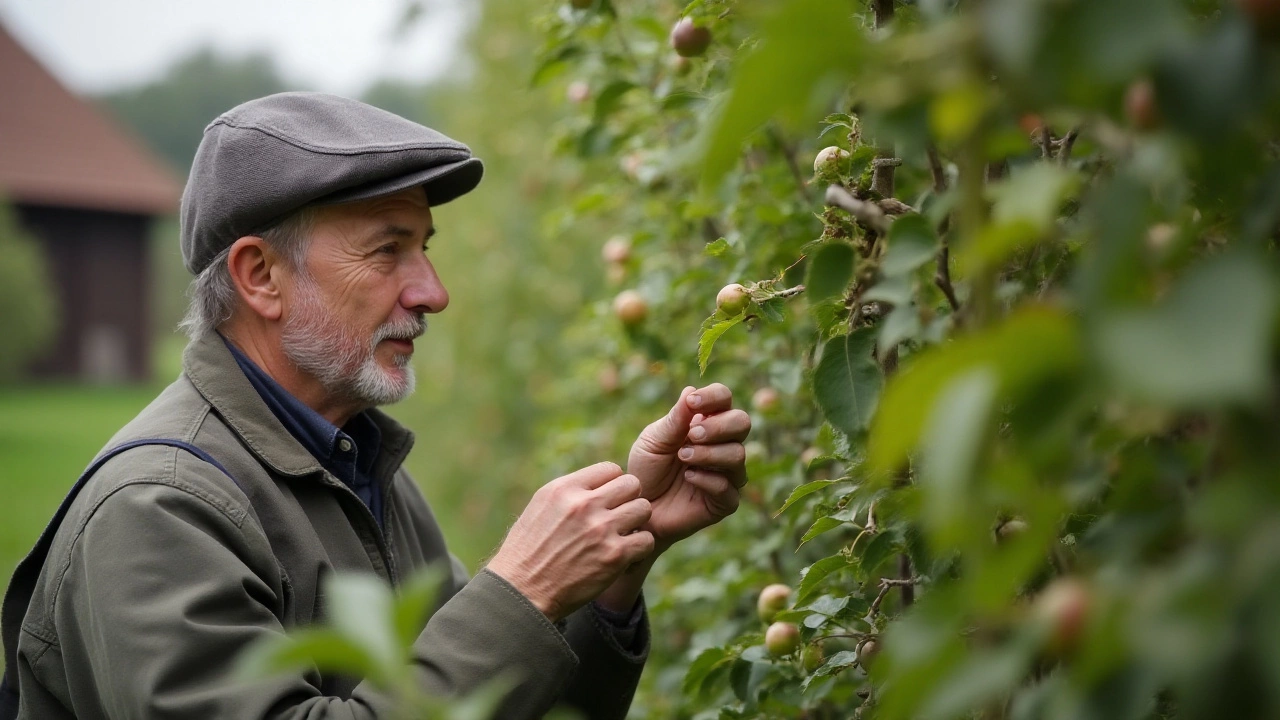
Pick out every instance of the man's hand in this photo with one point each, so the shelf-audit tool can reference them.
(576, 536)
(691, 463)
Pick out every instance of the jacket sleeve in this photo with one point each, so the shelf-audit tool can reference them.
(607, 671)
(164, 588)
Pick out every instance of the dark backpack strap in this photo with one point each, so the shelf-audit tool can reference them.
(23, 584)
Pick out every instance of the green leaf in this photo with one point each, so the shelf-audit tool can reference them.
(847, 381)
(804, 491)
(712, 329)
(830, 271)
(882, 546)
(819, 526)
(781, 72)
(1024, 207)
(716, 248)
(318, 648)
(414, 604)
(360, 608)
(912, 243)
(609, 98)
(952, 445)
(837, 662)
(1033, 344)
(702, 668)
(811, 583)
(1206, 344)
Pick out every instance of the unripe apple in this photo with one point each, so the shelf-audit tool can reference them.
(813, 657)
(630, 307)
(867, 652)
(617, 249)
(1064, 608)
(578, 91)
(732, 299)
(1140, 105)
(689, 40)
(1010, 529)
(773, 599)
(766, 400)
(830, 163)
(782, 638)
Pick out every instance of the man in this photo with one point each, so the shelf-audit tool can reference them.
(306, 219)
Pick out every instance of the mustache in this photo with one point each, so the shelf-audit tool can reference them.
(409, 328)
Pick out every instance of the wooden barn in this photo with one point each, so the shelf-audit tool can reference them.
(89, 191)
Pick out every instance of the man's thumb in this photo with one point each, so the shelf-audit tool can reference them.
(677, 421)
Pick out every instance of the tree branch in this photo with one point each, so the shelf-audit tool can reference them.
(1045, 141)
(867, 213)
(1068, 141)
(883, 10)
(936, 170)
(942, 278)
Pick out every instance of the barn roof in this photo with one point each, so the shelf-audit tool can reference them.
(58, 149)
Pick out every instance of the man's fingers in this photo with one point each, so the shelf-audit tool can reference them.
(720, 491)
(722, 456)
(631, 515)
(593, 476)
(728, 426)
(713, 398)
(619, 490)
(637, 546)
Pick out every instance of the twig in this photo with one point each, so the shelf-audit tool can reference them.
(884, 12)
(894, 206)
(850, 636)
(789, 292)
(936, 170)
(869, 214)
(1046, 142)
(887, 584)
(791, 163)
(942, 278)
(1068, 141)
(904, 573)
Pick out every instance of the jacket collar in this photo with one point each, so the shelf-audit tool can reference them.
(215, 374)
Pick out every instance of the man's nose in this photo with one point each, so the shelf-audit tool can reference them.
(424, 293)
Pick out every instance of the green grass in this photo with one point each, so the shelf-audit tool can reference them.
(48, 434)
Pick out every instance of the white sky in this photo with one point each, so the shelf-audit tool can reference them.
(338, 46)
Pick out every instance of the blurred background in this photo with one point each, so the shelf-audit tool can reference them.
(102, 106)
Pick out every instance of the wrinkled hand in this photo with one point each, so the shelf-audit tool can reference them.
(576, 536)
(691, 463)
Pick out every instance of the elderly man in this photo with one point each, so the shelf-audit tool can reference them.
(210, 520)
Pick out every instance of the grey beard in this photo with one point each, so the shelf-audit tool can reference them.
(316, 342)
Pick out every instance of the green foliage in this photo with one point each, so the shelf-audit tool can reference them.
(370, 633)
(1030, 335)
(28, 304)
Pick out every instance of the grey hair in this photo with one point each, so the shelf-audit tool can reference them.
(213, 294)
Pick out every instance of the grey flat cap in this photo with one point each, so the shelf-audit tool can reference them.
(262, 160)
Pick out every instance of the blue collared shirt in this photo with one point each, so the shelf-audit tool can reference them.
(347, 452)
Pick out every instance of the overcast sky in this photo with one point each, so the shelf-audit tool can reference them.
(338, 46)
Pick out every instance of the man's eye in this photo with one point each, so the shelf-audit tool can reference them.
(388, 249)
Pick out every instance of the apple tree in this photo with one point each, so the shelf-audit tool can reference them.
(998, 280)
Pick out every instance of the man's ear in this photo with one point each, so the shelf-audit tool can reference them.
(255, 271)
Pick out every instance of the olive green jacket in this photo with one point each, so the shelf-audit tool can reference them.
(164, 569)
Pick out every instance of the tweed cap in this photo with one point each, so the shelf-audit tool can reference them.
(262, 160)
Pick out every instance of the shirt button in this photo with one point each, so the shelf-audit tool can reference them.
(344, 445)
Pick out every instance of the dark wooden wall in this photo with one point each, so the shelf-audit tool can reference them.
(100, 264)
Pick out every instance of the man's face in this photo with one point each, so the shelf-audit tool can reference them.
(351, 316)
